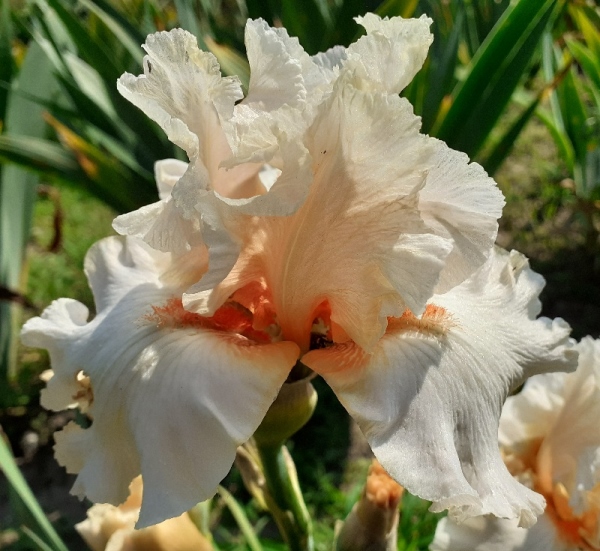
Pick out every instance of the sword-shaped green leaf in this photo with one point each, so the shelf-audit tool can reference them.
(17, 196)
(494, 73)
(39, 525)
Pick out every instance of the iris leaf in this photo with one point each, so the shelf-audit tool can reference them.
(494, 73)
(39, 524)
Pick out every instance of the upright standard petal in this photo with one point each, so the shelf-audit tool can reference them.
(159, 384)
(182, 90)
(391, 53)
(286, 85)
(357, 242)
(429, 398)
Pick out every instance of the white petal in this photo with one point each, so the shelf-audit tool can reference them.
(530, 414)
(391, 54)
(285, 87)
(461, 202)
(430, 396)
(167, 173)
(331, 59)
(161, 388)
(162, 226)
(182, 89)
(276, 76)
(562, 410)
(576, 428)
(357, 241)
(494, 534)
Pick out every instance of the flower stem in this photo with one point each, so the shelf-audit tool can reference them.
(292, 518)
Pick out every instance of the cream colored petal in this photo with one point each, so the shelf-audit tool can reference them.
(429, 398)
(110, 528)
(104, 520)
(494, 534)
(175, 534)
(162, 383)
(572, 424)
(276, 75)
(577, 426)
(391, 54)
(331, 59)
(226, 224)
(529, 415)
(285, 87)
(167, 173)
(357, 241)
(461, 202)
(182, 90)
(163, 225)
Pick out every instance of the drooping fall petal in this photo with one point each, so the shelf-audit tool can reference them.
(550, 439)
(429, 398)
(160, 384)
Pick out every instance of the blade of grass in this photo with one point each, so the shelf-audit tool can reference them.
(241, 519)
(549, 68)
(575, 115)
(189, 21)
(440, 76)
(91, 50)
(231, 62)
(559, 136)
(105, 108)
(503, 146)
(588, 21)
(35, 539)
(309, 20)
(103, 170)
(494, 74)
(267, 9)
(43, 529)
(125, 33)
(586, 59)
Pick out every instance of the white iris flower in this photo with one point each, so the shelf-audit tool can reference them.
(313, 204)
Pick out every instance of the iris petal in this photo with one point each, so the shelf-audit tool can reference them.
(429, 398)
(162, 387)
